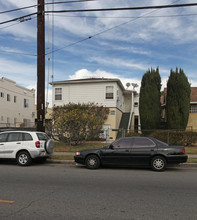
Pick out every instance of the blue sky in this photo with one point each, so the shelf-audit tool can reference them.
(151, 38)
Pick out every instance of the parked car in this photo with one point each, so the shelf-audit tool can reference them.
(133, 151)
(24, 146)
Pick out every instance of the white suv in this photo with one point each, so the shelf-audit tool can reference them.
(25, 146)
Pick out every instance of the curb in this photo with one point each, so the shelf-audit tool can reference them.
(72, 162)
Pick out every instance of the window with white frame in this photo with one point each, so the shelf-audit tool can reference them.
(193, 108)
(2, 95)
(109, 92)
(8, 97)
(58, 93)
(14, 99)
(8, 120)
(26, 103)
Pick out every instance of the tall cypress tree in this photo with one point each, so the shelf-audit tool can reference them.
(149, 102)
(178, 100)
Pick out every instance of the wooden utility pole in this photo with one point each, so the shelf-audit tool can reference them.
(40, 67)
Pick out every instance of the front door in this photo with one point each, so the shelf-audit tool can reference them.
(118, 153)
(3, 138)
(14, 141)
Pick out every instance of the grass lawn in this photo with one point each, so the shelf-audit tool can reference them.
(191, 150)
(192, 160)
(63, 147)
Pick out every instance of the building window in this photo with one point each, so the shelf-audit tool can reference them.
(2, 95)
(8, 120)
(136, 104)
(193, 108)
(109, 92)
(14, 99)
(2, 118)
(58, 93)
(26, 103)
(8, 97)
(26, 122)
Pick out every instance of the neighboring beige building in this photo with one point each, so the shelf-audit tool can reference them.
(17, 105)
(192, 121)
(122, 103)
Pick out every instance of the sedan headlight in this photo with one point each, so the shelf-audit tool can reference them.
(77, 153)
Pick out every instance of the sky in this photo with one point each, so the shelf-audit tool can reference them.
(123, 44)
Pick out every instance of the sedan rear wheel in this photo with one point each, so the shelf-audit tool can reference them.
(158, 163)
(92, 162)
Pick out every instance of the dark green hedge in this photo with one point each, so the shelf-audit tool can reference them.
(185, 138)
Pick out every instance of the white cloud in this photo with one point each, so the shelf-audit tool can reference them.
(120, 62)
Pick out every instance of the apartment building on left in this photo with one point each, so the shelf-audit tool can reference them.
(17, 105)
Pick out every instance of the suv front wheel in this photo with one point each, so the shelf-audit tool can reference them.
(23, 158)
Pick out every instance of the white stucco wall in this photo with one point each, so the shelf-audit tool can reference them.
(89, 92)
(13, 113)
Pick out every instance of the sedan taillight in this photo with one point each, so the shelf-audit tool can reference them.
(182, 151)
(37, 144)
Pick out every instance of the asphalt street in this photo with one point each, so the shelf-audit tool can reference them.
(60, 191)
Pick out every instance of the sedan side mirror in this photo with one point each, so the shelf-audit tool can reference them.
(111, 146)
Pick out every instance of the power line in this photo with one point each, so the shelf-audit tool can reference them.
(21, 21)
(33, 6)
(64, 2)
(17, 9)
(99, 33)
(106, 9)
(124, 9)
(154, 16)
(18, 18)
(20, 53)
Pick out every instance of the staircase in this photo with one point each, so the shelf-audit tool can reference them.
(123, 124)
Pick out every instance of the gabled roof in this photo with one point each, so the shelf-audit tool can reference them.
(89, 80)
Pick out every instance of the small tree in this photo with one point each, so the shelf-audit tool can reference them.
(149, 102)
(178, 100)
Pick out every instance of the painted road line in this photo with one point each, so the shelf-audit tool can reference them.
(6, 201)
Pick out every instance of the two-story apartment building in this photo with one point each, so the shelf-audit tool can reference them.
(17, 105)
(122, 103)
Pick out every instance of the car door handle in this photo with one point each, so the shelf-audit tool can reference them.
(18, 143)
(1, 144)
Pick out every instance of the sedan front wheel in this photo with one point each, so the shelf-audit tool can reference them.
(92, 162)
